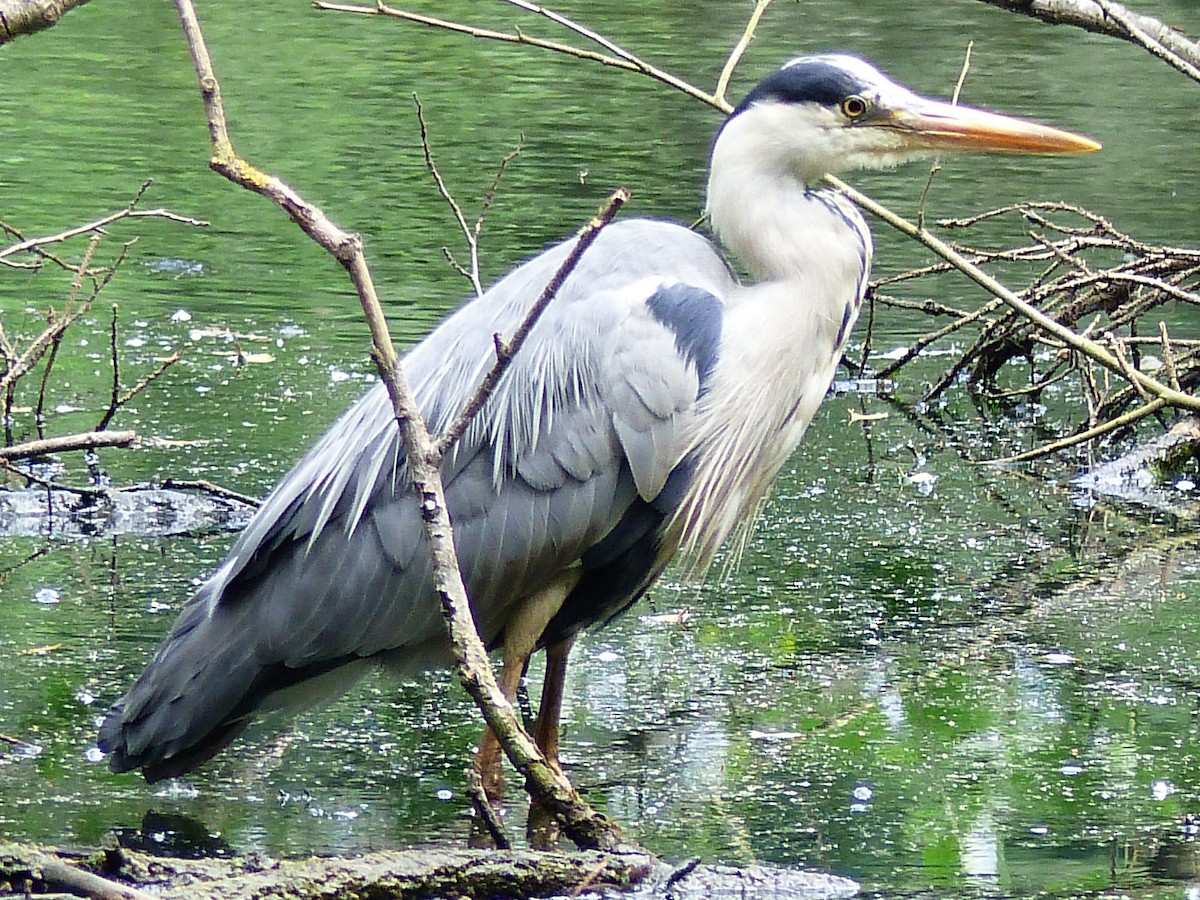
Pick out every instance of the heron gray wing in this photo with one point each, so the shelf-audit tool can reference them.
(591, 411)
(332, 570)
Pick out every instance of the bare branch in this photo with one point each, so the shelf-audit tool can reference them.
(209, 487)
(625, 60)
(936, 165)
(59, 874)
(581, 30)
(35, 244)
(1118, 349)
(65, 443)
(1128, 21)
(1104, 17)
(21, 17)
(471, 234)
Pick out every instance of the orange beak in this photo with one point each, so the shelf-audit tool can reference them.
(932, 125)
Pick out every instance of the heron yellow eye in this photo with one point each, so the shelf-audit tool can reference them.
(855, 107)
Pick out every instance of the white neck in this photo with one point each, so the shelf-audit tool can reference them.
(764, 212)
(782, 338)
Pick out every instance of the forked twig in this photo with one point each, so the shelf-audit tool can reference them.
(470, 273)
(735, 56)
(470, 233)
(625, 60)
(506, 350)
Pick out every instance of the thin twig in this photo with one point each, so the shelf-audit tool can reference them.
(581, 30)
(114, 401)
(209, 487)
(1168, 356)
(39, 409)
(7, 348)
(868, 344)
(1116, 275)
(506, 350)
(149, 379)
(472, 272)
(28, 558)
(626, 61)
(489, 196)
(1090, 434)
(739, 50)
(936, 165)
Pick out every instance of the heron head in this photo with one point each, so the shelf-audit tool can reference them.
(826, 114)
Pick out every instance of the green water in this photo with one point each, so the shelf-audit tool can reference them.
(986, 689)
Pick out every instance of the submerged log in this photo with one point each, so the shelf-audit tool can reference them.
(466, 874)
(44, 512)
(1139, 475)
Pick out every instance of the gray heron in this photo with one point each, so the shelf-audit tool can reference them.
(644, 420)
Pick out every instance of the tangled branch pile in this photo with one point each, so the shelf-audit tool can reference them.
(1103, 284)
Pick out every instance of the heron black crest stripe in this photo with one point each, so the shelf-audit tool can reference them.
(807, 81)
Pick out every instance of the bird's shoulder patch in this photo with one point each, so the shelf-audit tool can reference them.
(695, 317)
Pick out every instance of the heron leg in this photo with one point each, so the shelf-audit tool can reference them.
(521, 635)
(488, 760)
(541, 828)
